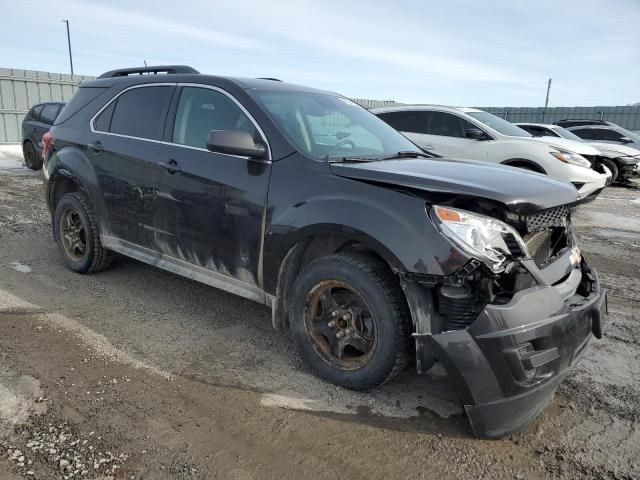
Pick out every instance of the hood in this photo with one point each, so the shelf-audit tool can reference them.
(572, 146)
(615, 149)
(521, 191)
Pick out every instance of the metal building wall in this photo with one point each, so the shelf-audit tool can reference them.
(21, 89)
(627, 117)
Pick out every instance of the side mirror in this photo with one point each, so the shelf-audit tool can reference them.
(235, 142)
(625, 140)
(474, 134)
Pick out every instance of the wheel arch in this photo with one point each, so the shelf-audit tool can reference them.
(317, 241)
(524, 163)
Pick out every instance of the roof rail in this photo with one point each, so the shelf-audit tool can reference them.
(586, 120)
(269, 78)
(168, 69)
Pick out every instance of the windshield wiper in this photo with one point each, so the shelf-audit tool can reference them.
(407, 154)
(352, 159)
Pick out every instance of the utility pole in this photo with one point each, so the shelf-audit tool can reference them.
(546, 101)
(69, 44)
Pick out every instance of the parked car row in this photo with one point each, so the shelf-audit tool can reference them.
(477, 135)
(369, 249)
(620, 158)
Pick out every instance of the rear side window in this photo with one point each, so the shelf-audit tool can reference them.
(139, 112)
(49, 113)
(201, 110)
(585, 133)
(82, 97)
(36, 111)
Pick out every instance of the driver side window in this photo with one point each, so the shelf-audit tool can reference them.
(201, 110)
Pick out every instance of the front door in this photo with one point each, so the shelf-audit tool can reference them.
(445, 135)
(210, 206)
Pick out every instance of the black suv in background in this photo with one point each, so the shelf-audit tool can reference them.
(36, 123)
(368, 250)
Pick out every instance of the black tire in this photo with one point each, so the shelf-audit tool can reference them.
(611, 165)
(387, 324)
(31, 158)
(92, 257)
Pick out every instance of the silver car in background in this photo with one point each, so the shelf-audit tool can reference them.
(622, 160)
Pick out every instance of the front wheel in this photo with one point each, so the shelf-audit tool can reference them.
(350, 320)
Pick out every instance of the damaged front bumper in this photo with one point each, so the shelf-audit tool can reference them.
(508, 363)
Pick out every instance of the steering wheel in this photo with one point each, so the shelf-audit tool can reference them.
(345, 142)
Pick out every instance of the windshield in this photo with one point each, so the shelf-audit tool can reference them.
(326, 126)
(564, 133)
(499, 125)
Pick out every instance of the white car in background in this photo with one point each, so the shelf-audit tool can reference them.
(473, 134)
(622, 160)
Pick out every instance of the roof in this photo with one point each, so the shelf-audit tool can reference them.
(417, 108)
(535, 124)
(244, 83)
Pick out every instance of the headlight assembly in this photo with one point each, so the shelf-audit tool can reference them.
(572, 158)
(479, 236)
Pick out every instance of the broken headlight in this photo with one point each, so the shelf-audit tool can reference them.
(479, 236)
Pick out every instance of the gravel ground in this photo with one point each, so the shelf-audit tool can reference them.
(138, 373)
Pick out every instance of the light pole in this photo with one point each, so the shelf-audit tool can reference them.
(69, 44)
(546, 101)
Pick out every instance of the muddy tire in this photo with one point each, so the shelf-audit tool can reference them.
(31, 158)
(350, 321)
(76, 232)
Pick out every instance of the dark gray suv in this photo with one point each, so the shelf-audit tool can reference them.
(370, 252)
(36, 123)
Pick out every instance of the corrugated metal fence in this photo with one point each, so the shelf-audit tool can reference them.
(627, 117)
(21, 89)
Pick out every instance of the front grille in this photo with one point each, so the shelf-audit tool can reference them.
(552, 217)
(539, 246)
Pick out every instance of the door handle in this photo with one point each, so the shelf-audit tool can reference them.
(96, 146)
(171, 166)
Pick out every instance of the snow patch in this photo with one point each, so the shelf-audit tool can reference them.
(20, 267)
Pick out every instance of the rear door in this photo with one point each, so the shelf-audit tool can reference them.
(210, 209)
(125, 146)
(608, 135)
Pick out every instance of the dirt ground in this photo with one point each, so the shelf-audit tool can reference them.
(138, 373)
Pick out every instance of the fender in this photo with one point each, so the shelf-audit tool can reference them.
(73, 165)
(392, 223)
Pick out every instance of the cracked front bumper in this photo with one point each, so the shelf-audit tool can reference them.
(507, 365)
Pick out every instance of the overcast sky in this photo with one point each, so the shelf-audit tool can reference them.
(460, 52)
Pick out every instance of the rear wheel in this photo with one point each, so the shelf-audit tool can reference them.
(77, 235)
(31, 158)
(350, 321)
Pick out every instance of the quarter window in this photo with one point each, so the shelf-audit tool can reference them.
(201, 110)
(139, 112)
